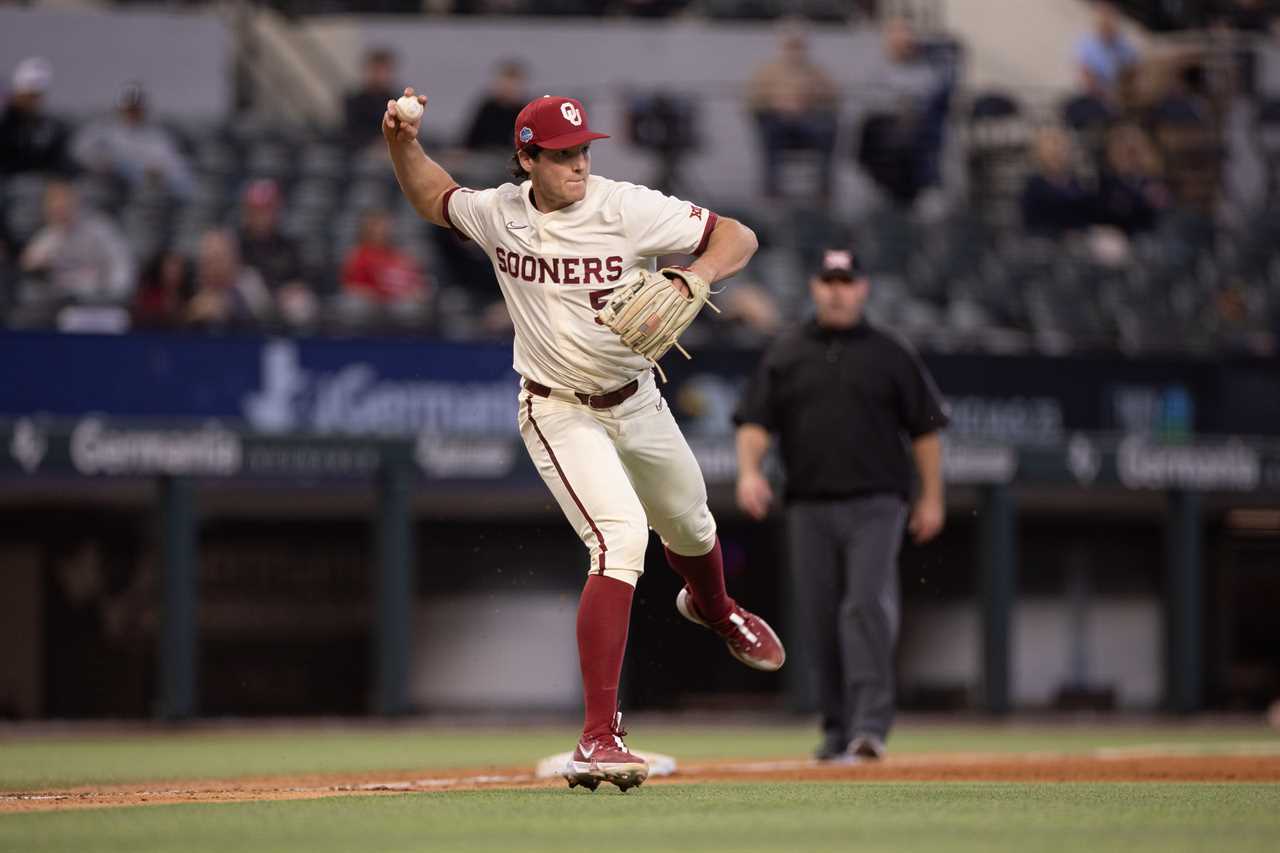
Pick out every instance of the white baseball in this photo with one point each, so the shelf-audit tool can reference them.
(409, 108)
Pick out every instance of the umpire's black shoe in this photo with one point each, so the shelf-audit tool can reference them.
(867, 748)
(833, 750)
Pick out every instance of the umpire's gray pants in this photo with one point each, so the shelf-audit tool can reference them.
(844, 570)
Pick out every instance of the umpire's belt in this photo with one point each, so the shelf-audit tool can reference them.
(595, 401)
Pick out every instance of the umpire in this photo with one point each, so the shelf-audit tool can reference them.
(846, 400)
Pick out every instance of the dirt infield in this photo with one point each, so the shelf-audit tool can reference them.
(1101, 766)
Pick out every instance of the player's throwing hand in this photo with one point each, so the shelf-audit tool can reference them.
(398, 127)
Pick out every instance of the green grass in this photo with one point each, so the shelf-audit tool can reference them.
(1127, 818)
(47, 762)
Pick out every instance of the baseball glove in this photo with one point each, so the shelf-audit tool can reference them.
(649, 312)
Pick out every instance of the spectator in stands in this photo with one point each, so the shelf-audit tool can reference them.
(1053, 199)
(794, 103)
(163, 291)
(495, 117)
(1105, 57)
(1184, 100)
(1131, 190)
(227, 293)
(275, 255)
(30, 140)
(80, 254)
(902, 77)
(906, 100)
(1238, 318)
(364, 107)
(131, 147)
(1186, 127)
(8, 269)
(377, 271)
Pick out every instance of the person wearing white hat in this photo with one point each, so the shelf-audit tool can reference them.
(30, 139)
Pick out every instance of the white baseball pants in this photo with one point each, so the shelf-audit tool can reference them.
(618, 472)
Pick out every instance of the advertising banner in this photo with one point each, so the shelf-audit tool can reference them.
(246, 406)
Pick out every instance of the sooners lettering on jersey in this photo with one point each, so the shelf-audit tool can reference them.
(554, 268)
(558, 270)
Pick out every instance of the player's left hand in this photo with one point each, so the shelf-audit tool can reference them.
(927, 518)
(648, 317)
(680, 284)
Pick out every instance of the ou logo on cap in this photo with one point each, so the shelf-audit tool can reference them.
(571, 114)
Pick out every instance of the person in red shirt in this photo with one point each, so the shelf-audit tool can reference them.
(378, 271)
(163, 291)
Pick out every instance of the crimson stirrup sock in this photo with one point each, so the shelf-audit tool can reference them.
(604, 612)
(705, 577)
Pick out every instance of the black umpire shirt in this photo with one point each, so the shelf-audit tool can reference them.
(841, 402)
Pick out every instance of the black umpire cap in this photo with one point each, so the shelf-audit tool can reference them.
(841, 265)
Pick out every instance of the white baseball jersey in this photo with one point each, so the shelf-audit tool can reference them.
(557, 269)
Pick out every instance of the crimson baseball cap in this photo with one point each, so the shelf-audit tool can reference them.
(840, 264)
(555, 123)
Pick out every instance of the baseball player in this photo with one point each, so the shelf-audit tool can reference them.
(592, 418)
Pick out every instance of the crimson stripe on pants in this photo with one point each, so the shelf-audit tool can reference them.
(556, 462)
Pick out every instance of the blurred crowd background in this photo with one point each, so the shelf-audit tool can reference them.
(1135, 208)
(231, 344)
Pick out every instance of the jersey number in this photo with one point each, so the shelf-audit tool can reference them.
(599, 298)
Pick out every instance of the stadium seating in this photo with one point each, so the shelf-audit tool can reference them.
(969, 278)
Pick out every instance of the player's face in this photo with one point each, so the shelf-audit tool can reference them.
(839, 302)
(560, 177)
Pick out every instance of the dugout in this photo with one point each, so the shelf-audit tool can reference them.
(1097, 597)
